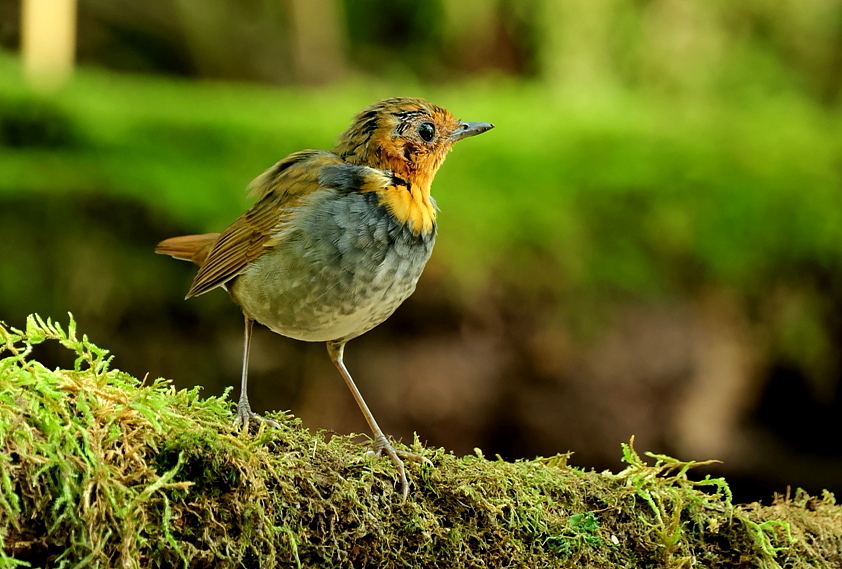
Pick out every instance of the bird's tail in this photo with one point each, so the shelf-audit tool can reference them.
(193, 248)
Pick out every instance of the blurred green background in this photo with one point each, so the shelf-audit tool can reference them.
(649, 243)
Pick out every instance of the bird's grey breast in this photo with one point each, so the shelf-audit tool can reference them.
(342, 266)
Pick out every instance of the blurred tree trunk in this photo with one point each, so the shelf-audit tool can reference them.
(230, 40)
(468, 30)
(317, 40)
(291, 41)
(48, 41)
(575, 38)
(727, 381)
(488, 35)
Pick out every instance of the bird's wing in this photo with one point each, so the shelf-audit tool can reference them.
(280, 191)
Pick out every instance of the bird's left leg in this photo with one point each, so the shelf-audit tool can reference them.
(381, 443)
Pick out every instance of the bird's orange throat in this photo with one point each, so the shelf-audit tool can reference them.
(411, 205)
(408, 197)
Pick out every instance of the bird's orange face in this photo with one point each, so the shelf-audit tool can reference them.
(410, 138)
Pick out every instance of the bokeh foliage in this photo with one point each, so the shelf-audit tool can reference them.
(611, 196)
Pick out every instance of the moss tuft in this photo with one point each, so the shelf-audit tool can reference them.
(100, 469)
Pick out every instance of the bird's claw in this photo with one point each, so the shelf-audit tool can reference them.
(401, 453)
(245, 415)
(381, 446)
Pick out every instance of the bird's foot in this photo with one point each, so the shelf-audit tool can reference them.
(382, 446)
(245, 415)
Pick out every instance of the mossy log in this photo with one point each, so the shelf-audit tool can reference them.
(100, 469)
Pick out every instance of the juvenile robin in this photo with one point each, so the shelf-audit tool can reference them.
(336, 241)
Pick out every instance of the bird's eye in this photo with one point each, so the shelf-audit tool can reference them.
(426, 131)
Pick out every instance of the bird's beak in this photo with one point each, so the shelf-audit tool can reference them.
(467, 129)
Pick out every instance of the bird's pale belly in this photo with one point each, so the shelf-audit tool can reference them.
(321, 309)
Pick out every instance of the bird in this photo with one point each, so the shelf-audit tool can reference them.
(335, 241)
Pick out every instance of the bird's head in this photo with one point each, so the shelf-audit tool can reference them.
(410, 137)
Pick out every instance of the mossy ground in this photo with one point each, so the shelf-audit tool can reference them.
(99, 469)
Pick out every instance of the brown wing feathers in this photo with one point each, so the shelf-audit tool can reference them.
(193, 248)
(280, 189)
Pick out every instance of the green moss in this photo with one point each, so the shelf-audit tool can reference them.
(101, 469)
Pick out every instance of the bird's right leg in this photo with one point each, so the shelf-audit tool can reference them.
(244, 412)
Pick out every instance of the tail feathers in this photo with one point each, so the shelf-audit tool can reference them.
(193, 248)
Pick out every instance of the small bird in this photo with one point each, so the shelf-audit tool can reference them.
(336, 241)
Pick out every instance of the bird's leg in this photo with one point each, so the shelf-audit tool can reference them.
(244, 412)
(381, 444)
